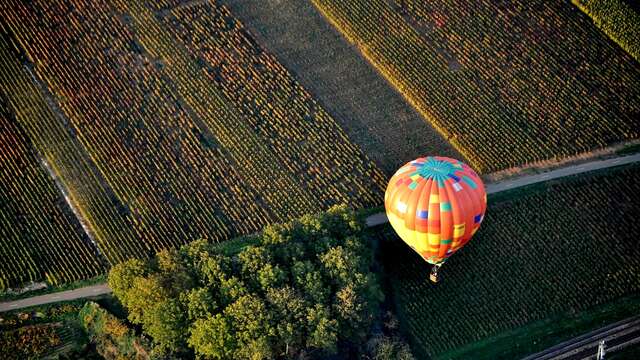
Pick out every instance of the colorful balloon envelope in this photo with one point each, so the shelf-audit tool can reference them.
(435, 204)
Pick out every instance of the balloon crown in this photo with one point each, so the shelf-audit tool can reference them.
(436, 169)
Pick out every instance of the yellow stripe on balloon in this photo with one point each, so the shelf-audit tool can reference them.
(434, 239)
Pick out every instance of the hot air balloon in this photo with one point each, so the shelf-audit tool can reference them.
(435, 204)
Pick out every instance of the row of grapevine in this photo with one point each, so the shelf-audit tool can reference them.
(169, 148)
(507, 84)
(618, 19)
(278, 110)
(145, 146)
(555, 251)
(41, 238)
(356, 179)
(86, 188)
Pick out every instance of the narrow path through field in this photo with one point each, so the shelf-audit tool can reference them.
(79, 293)
(373, 220)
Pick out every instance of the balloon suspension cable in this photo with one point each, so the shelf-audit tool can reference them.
(434, 276)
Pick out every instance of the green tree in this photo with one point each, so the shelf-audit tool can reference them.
(253, 258)
(351, 308)
(143, 294)
(390, 348)
(231, 289)
(270, 276)
(289, 312)
(122, 275)
(256, 349)
(274, 235)
(250, 319)
(165, 323)
(302, 290)
(213, 337)
(199, 302)
(340, 264)
(176, 272)
(213, 270)
(110, 335)
(197, 251)
(307, 278)
(323, 329)
(341, 222)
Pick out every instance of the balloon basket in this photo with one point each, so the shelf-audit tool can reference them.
(434, 276)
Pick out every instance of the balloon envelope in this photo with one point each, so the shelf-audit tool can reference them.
(435, 204)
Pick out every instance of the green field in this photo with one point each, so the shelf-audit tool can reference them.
(41, 238)
(551, 251)
(56, 143)
(373, 114)
(506, 84)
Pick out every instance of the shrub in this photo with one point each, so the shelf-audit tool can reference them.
(112, 337)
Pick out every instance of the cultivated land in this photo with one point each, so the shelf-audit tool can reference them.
(373, 113)
(165, 127)
(231, 247)
(549, 251)
(619, 19)
(508, 84)
(131, 126)
(41, 238)
(57, 143)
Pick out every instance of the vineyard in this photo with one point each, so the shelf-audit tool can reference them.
(557, 250)
(132, 126)
(86, 189)
(278, 110)
(30, 342)
(45, 332)
(167, 122)
(618, 19)
(41, 239)
(538, 77)
(373, 114)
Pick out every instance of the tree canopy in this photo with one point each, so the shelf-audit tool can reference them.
(303, 288)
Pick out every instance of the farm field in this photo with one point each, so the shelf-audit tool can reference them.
(41, 238)
(217, 170)
(374, 115)
(538, 76)
(619, 19)
(163, 129)
(554, 250)
(56, 143)
(52, 331)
